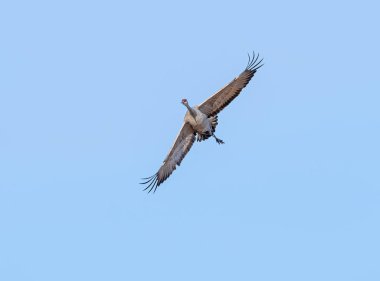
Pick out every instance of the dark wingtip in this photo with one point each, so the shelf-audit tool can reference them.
(152, 183)
(249, 60)
(254, 64)
(148, 177)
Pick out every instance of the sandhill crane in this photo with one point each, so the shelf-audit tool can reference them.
(200, 122)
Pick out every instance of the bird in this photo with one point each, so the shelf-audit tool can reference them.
(200, 123)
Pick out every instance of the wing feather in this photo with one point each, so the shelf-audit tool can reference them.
(180, 148)
(228, 93)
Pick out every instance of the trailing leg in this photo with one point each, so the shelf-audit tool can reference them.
(219, 141)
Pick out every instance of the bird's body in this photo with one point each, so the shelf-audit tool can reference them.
(200, 123)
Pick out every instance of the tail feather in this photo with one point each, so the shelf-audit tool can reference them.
(206, 135)
(214, 122)
(203, 136)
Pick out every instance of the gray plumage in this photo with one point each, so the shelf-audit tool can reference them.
(200, 123)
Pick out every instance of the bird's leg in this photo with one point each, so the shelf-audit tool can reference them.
(219, 141)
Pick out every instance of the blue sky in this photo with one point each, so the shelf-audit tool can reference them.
(90, 102)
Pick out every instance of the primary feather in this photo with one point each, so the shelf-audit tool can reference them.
(201, 121)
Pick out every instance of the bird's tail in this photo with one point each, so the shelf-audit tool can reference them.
(203, 136)
(214, 122)
(206, 135)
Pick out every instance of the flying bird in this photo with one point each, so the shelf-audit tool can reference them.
(200, 123)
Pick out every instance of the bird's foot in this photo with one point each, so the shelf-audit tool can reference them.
(219, 141)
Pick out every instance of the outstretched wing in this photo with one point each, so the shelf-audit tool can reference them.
(224, 96)
(181, 147)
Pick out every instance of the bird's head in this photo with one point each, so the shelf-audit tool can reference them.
(184, 101)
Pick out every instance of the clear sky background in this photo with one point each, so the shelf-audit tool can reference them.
(90, 102)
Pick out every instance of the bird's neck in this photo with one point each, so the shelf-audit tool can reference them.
(191, 110)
